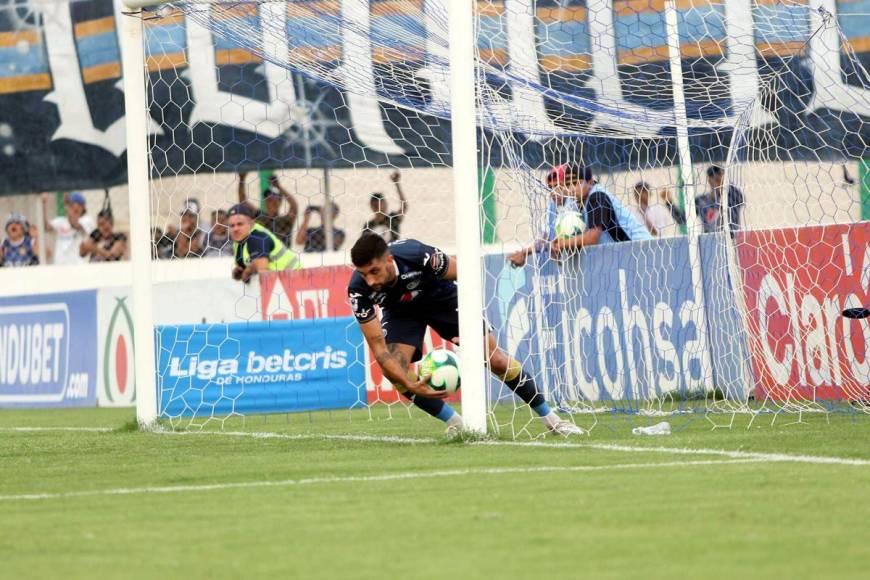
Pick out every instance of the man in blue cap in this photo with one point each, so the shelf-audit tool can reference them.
(70, 229)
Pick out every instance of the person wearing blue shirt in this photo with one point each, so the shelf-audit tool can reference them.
(20, 247)
(709, 205)
(561, 200)
(607, 220)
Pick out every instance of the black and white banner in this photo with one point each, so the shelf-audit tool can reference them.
(62, 107)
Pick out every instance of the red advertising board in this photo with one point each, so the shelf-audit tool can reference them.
(322, 293)
(310, 293)
(796, 282)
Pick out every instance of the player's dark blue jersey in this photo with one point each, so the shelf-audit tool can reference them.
(419, 286)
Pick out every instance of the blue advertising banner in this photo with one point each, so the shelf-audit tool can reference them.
(260, 367)
(48, 350)
(617, 322)
(725, 328)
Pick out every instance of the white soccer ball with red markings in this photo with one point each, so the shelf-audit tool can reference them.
(443, 366)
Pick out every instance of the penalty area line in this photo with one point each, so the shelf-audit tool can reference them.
(408, 475)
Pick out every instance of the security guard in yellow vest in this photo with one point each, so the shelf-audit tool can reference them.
(255, 248)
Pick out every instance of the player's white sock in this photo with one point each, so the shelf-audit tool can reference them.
(551, 419)
(456, 421)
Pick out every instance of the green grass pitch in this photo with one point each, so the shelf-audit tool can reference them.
(302, 501)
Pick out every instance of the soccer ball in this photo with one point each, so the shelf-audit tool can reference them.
(443, 366)
(569, 224)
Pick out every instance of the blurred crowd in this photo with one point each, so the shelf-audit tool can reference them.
(200, 236)
(78, 237)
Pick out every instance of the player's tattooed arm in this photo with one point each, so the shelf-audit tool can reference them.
(393, 364)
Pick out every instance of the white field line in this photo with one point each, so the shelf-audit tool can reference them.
(772, 457)
(309, 436)
(777, 457)
(38, 429)
(447, 473)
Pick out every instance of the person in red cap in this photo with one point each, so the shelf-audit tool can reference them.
(560, 200)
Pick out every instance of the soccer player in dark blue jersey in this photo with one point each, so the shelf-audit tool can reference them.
(414, 286)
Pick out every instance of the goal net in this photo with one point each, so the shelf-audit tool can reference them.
(727, 144)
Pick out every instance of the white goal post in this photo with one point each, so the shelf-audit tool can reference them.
(133, 55)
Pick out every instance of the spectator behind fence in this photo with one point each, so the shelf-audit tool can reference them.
(709, 205)
(190, 240)
(218, 243)
(607, 220)
(255, 248)
(271, 219)
(163, 243)
(104, 243)
(561, 200)
(384, 222)
(314, 239)
(20, 248)
(70, 230)
(656, 217)
(677, 214)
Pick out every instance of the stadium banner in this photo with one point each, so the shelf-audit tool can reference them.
(116, 370)
(797, 281)
(48, 350)
(310, 293)
(78, 141)
(622, 321)
(725, 327)
(188, 302)
(259, 367)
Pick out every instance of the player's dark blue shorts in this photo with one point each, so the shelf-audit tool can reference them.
(407, 326)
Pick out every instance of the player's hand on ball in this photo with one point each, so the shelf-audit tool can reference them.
(558, 246)
(423, 389)
(517, 259)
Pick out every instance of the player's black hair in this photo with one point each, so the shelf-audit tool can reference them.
(642, 185)
(367, 248)
(714, 170)
(106, 213)
(576, 172)
(377, 196)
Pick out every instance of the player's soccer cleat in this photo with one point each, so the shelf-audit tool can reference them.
(565, 428)
(454, 426)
